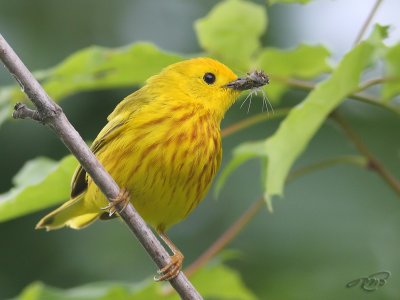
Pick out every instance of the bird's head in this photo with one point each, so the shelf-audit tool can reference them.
(204, 81)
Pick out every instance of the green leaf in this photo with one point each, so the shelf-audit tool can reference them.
(213, 282)
(40, 183)
(221, 282)
(98, 67)
(241, 154)
(95, 68)
(93, 291)
(392, 61)
(303, 121)
(271, 2)
(231, 32)
(303, 62)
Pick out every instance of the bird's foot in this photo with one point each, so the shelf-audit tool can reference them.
(171, 270)
(123, 199)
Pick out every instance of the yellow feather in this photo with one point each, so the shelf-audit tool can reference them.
(162, 143)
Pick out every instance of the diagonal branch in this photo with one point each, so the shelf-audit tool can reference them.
(50, 114)
(373, 163)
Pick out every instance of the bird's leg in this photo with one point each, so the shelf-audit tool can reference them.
(172, 269)
(123, 197)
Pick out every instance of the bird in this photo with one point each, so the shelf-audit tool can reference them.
(162, 146)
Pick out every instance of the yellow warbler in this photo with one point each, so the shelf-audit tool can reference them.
(162, 144)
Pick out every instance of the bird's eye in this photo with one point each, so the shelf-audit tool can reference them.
(209, 78)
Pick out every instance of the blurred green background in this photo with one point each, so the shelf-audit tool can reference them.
(331, 227)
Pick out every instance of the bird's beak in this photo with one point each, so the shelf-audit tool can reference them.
(252, 80)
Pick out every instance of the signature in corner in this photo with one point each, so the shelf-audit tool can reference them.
(372, 282)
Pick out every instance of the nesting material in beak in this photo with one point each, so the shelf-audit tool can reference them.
(252, 80)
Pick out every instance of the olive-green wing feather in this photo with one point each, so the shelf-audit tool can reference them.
(79, 179)
(125, 110)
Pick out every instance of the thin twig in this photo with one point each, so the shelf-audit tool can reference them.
(356, 160)
(250, 121)
(362, 97)
(369, 99)
(21, 111)
(51, 114)
(226, 237)
(374, 81)
(373, 163)
(296, 83)
(367, 21)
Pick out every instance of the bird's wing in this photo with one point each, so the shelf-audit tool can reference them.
(132, 103)
(79, 180)
(125, 110)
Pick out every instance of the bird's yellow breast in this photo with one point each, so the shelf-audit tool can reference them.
(166, 156)
(161, 143)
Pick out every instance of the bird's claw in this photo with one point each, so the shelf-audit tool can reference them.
(171, 270)
(123, 197)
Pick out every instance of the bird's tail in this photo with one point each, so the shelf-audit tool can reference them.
(72, 213)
